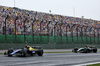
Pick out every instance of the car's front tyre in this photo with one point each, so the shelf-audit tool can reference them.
(40, 52)
(9, 52)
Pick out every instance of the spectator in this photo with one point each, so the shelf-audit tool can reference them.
(44, 18)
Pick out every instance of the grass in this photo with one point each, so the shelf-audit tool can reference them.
(1, 53)
(94, 64)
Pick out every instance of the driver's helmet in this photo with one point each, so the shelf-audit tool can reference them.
(27, 46)
(86, 46)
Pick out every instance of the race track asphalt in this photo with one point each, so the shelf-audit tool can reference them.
(51, 59)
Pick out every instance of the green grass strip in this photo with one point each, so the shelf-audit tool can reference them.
(94, 64)
(1, 53)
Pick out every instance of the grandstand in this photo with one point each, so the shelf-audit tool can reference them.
(20, 25)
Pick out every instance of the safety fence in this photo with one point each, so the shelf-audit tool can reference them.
(28, 39)
(45, 46)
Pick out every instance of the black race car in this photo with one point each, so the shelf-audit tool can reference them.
(25, 51)
(86, 49)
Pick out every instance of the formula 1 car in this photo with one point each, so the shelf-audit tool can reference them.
(86, 49)
(25, 51)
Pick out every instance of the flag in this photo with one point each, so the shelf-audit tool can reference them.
(21, 24)
(16, 31)
(14, 22)
(33, 27)
(5, 11)
(16, 13)
(54, 16)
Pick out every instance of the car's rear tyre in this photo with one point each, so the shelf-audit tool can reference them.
(9, 52)
(40, 52)
(75, 50)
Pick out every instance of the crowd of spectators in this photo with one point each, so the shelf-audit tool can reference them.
(45, 23)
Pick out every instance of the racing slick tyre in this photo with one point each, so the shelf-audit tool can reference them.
(40, 52)
(75, 50)
(9, 52)
(95, 50)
